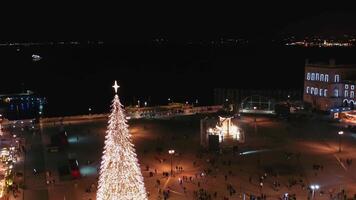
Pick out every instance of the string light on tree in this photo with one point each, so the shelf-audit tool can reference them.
(120, 174)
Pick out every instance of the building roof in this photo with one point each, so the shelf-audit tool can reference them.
(340, 66)
(29, 92)
(330, 65)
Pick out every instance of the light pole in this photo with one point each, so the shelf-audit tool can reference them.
(89, 111)
(340, 133)
(314, 187)
(171, 152)
(255, 108)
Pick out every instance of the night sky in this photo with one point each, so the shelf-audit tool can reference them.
(74, 78)
(141, 21)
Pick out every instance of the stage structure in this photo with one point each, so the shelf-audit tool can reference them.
(223, 130)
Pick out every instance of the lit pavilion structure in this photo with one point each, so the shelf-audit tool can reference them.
(223, 129)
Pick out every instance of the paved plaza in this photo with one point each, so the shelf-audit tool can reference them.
(278, 157)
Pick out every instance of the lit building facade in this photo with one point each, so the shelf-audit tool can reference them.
(329, 87)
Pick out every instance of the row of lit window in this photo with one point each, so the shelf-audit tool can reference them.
(321, 77)
(316, 91)
(346, 94)
(323, 92)
(351, 86)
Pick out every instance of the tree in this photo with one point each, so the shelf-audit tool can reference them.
(120, 174)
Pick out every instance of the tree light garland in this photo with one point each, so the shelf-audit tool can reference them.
(120, 174)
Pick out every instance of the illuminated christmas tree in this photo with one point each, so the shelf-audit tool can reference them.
(120, 174)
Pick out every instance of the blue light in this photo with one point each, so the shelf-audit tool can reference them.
(88, 170)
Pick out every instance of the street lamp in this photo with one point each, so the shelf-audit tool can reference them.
(254, 108)
(340, 133)
(314, 187)
(171, 152)
(89, 110)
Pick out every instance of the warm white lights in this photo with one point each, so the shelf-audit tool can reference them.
(171, 151)
(120, 174)
(225, 128)
(115, 86)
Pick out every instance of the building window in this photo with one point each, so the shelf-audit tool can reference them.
(326, 78)
(321, 92)
(352, 94)
(313, 76)
(315, 91)
(352, 87)
(307, 89)
(325, 92)
(336, 93)
(317, 76)
(308, 76)
(337, 78)
(346, 93)
(346, 86)
(321, 77)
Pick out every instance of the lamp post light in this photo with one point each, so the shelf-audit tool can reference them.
(340, 133)
(171, 152)
(255, 108)
(89, 111)
(314, 187)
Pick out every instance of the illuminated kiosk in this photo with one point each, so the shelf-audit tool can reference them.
(221, 131)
